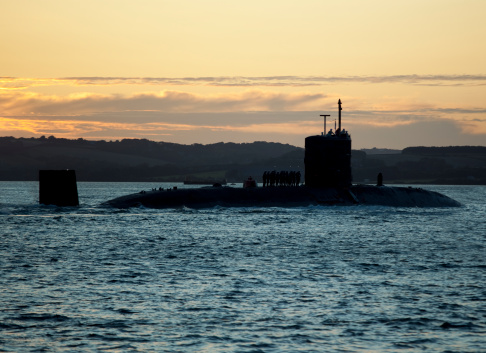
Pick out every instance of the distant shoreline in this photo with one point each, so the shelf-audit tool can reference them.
(141, 160)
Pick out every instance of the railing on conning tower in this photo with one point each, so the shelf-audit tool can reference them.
(328, 157)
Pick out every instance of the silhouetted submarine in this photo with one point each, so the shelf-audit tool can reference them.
(327, 182)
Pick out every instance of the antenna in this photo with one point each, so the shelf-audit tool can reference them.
(340, 108)
(325, 116)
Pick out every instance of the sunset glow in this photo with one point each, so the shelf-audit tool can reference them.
(189, 72)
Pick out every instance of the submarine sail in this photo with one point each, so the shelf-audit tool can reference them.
(328, 158)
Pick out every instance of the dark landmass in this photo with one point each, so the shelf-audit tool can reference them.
(453, 165)
(144, 160)
(375, 150)
(284, 197)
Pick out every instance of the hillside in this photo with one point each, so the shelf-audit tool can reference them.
(144, 160)
(427, 165)
(136, 160)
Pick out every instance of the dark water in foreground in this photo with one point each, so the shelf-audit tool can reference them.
(310, 279)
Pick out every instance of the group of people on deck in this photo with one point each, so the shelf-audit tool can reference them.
(338, 133)
(283, 178)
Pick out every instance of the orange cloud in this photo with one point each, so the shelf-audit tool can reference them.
(288, 128)
(245, 113)
(76, 128)
(28, 103)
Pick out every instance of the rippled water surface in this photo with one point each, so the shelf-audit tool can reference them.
(310, 279)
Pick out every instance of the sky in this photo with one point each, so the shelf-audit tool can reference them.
(409, 73)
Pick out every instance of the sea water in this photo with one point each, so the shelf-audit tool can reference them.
(309, 279)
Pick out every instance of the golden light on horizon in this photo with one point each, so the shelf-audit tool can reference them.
(85, 60)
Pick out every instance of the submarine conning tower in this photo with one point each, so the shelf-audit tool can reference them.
(328, 157)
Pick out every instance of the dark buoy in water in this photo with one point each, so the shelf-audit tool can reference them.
(58, 187)
(379, 180)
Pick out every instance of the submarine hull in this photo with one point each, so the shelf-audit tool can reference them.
(284, 197)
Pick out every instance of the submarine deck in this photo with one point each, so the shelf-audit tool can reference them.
(284, 197)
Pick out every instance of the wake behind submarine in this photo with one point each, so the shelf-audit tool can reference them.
(328, 181)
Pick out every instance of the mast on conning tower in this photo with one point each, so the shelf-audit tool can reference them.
(340, 108)
(325, 116)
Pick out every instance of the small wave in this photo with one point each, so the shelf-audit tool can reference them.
(125, 311)
(254, 210)
(468, 326)
(42, 317)
(416, 342)
(10, 326)
(110, 324)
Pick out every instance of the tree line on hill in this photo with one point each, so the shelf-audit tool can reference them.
(438, 151)
(428, 165)
(145, 160)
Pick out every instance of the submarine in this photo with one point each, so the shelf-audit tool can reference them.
(328, 181)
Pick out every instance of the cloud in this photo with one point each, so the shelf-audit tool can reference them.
(74, 127)
(15, 83)
(232, 115)
(20, 103)
(379, 130)
(291, 81)
(440, 132)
